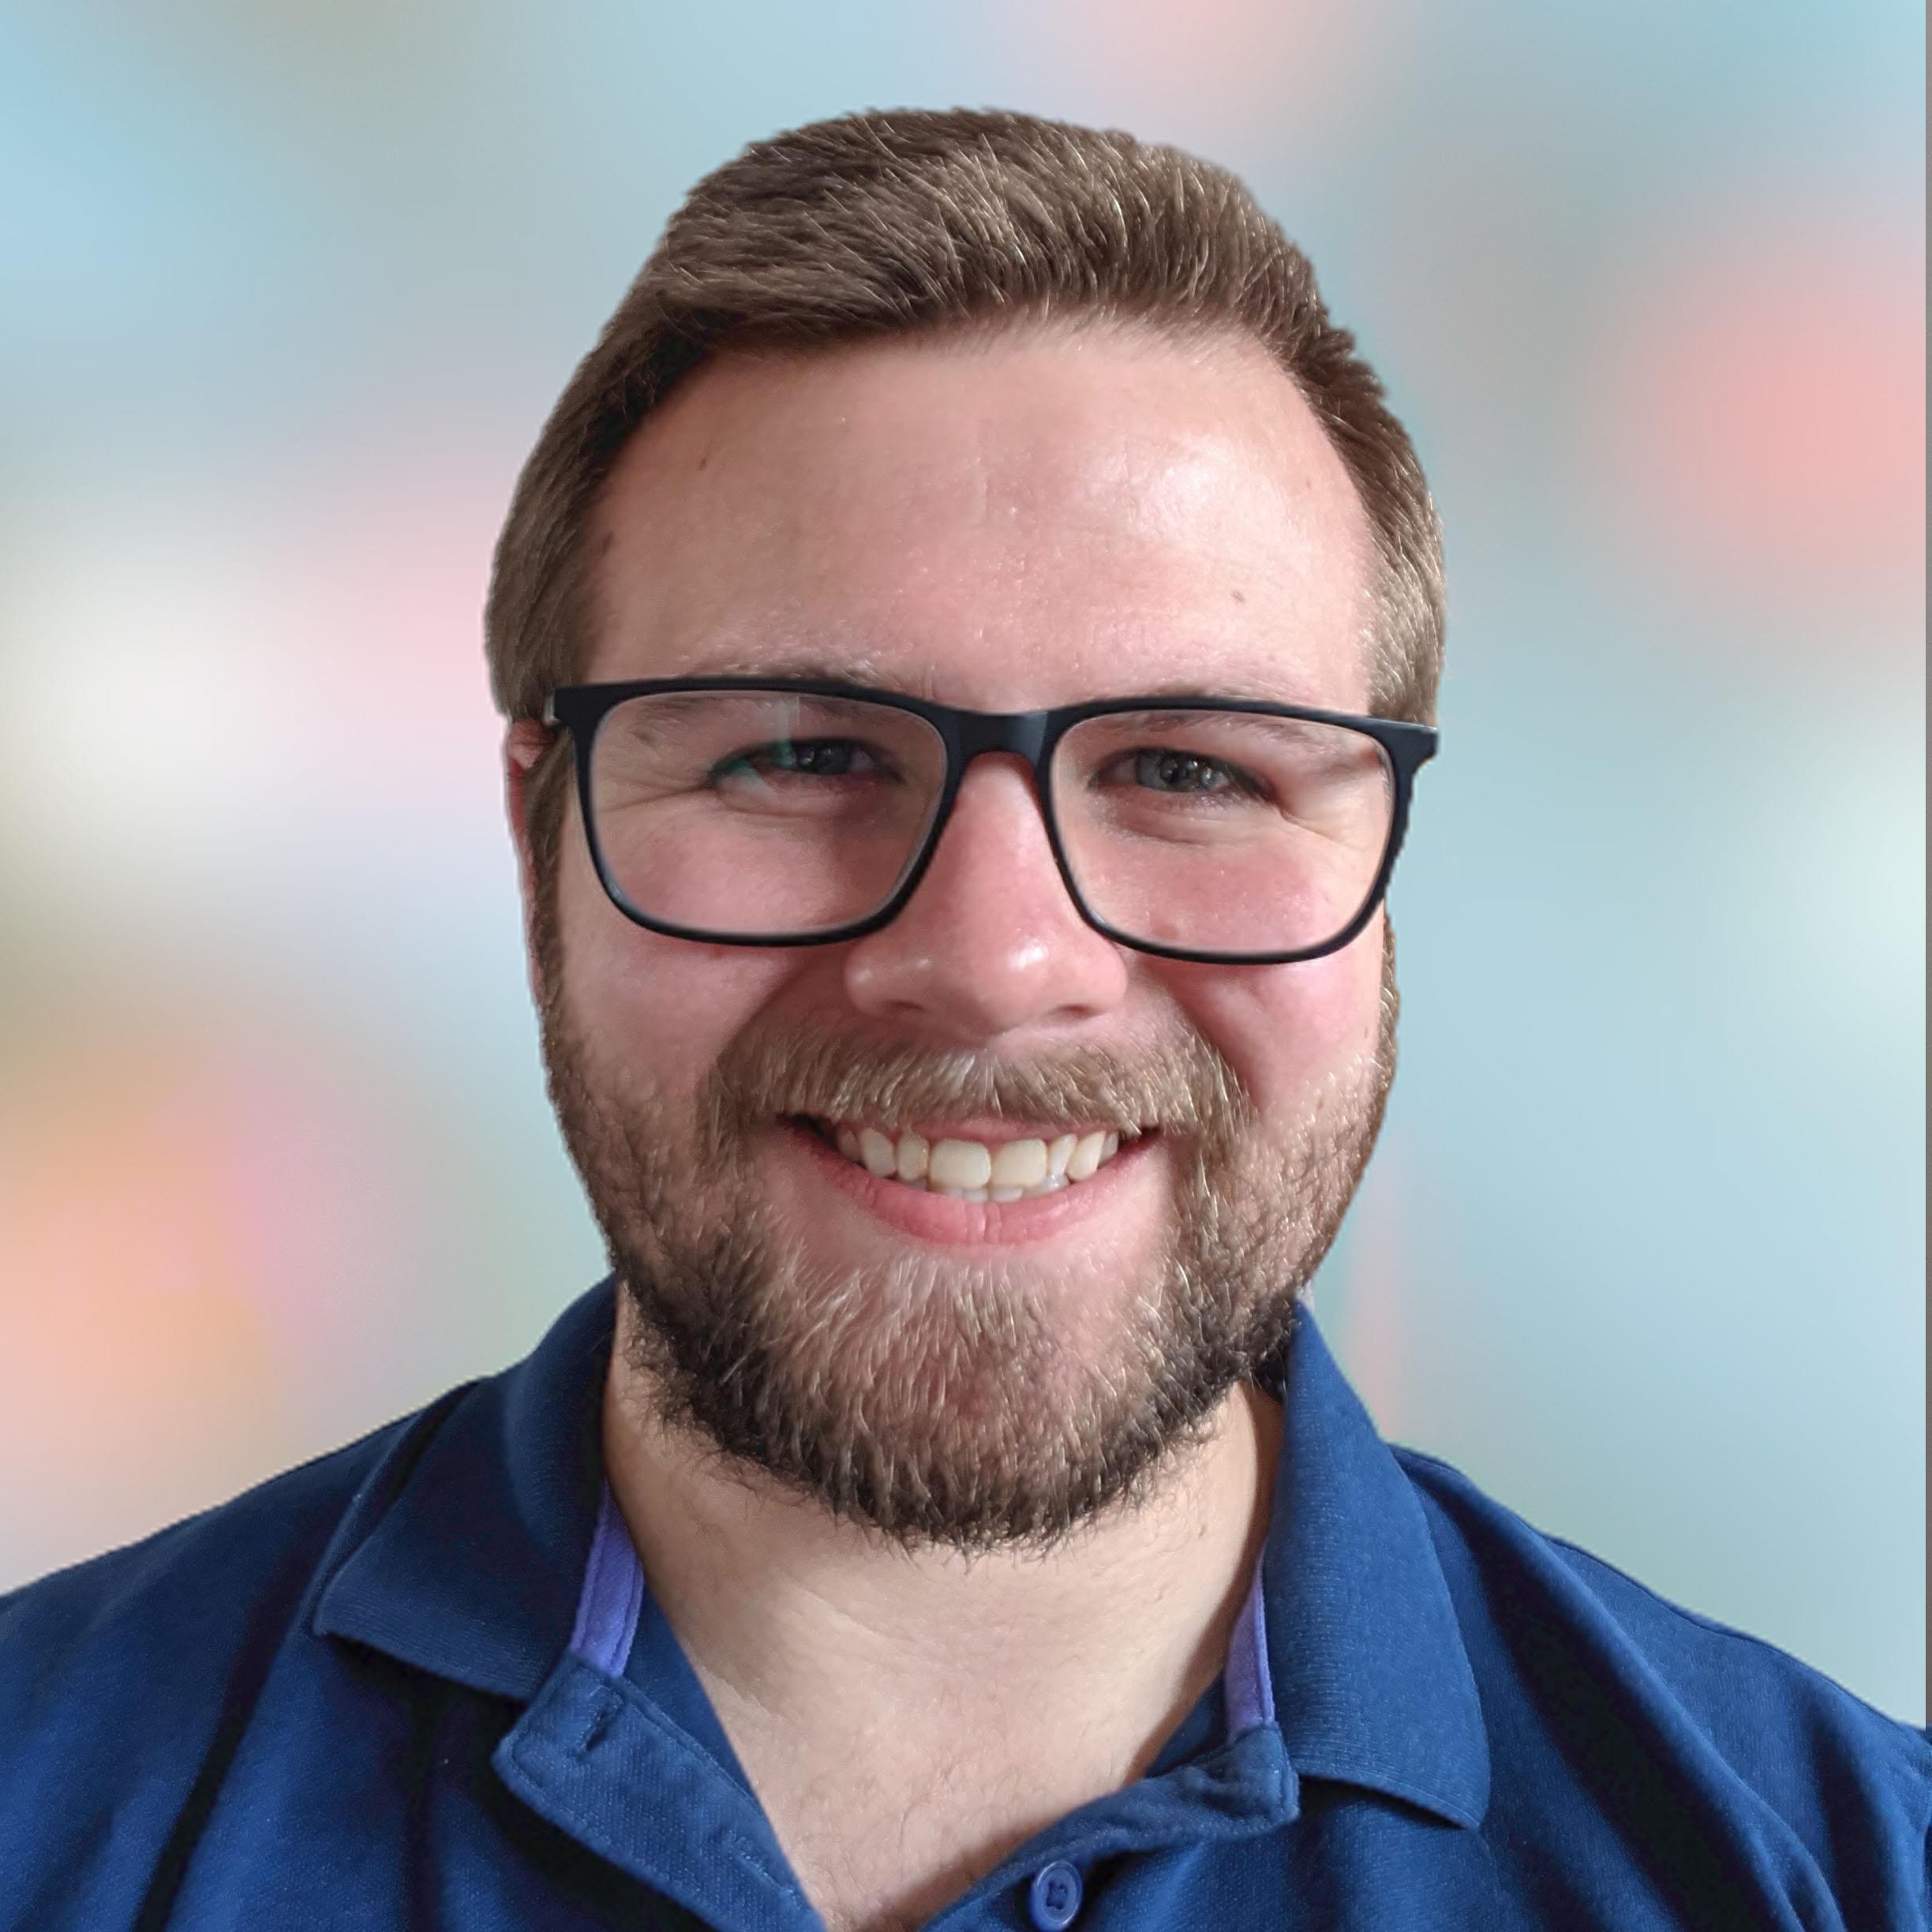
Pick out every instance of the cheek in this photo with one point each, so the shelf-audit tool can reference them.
(1287, 1029)
(664, 1008)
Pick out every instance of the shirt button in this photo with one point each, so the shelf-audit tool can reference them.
(1054, 1900)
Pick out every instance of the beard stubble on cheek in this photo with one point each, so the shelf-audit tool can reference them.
(946, 1402)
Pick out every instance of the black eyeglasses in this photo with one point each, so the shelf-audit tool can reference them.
(773, 811)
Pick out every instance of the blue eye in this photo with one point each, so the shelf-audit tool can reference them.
(812, 758)
(1172, 773)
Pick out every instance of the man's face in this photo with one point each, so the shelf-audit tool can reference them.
(1007, 523)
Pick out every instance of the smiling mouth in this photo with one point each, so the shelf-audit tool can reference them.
(971, 1169)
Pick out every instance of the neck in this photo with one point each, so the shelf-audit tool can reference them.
(827, 1633)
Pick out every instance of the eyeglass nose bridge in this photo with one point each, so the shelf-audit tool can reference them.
(969, 735)
(1023, 733)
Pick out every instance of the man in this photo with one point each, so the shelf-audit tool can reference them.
(969, 632)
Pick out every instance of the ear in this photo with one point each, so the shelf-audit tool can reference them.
(524, 744)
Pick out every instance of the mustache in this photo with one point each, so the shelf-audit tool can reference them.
(1190, 1090)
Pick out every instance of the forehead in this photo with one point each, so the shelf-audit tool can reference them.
(1003, 521)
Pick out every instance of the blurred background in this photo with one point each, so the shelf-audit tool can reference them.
(286, 289)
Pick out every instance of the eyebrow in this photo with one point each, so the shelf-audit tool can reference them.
(866, 673)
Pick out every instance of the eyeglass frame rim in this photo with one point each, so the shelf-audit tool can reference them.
(1030, 736)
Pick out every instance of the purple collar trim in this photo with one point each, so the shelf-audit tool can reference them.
(613, 1595)
(1247, 1690)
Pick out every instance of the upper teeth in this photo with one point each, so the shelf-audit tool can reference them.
(972, 1170)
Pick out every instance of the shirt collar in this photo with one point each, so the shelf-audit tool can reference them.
(1371, 1683)
(468, 1555)
(467, 1551)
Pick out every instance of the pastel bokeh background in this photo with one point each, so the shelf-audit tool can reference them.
(285, 291)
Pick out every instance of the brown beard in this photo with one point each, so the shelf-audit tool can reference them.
(945, 1403)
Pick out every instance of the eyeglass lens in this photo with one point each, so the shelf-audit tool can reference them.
(776, 815)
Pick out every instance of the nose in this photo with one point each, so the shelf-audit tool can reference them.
(989, 942)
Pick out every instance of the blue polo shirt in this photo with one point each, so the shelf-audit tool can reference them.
(421, 1684)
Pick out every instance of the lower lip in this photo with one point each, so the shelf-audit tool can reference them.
(973, 1224)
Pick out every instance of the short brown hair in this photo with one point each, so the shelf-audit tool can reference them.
(903, 222)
